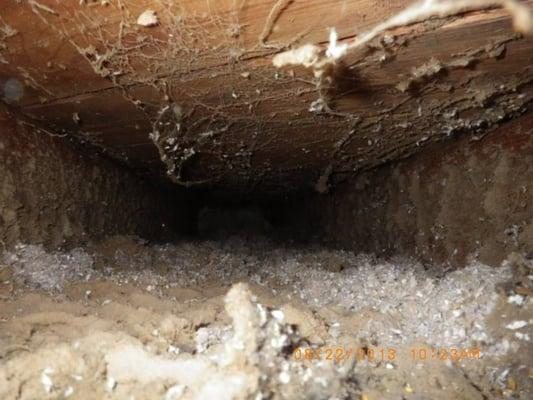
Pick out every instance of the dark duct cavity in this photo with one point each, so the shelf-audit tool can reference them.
(220, 222)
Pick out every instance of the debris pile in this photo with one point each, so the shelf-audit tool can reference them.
(201, 320)
(39, 269)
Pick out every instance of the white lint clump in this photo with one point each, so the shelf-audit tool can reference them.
(37, 268)
(148, 18)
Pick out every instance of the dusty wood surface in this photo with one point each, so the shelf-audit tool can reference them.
(89, 70)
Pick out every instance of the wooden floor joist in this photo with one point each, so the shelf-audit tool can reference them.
(89, 70)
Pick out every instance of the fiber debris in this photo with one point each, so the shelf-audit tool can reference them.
(148, 18)
(230, 314)
(319, 277)
(37, 268)
(311, 56)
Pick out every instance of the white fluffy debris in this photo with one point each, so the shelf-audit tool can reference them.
(318, 106)
(425, 71)
(49, 271)
(173, 349)
(311, 56)
(245, 315)
(334, 50)
(284, 378)
(148, 18)
(174, 392)
(46, 381)
(209, 336)
(306, 55)
(110, 384)
(522, 336)
(516, 325)
(278, 314)
(68, 392)
(516, 299)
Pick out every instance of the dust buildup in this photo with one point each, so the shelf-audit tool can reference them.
(426, 302)
(221, 319)
(440, 310)
(38, 269)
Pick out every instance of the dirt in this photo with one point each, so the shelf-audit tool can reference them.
(461, 198)
(59, 192)
(246, 318)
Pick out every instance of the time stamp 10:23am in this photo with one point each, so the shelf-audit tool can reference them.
(340, 353)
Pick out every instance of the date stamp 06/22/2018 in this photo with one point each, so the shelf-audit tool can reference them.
(377, 354)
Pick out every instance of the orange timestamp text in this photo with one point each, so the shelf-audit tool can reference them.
(342, 353)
